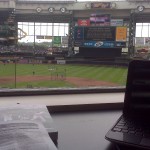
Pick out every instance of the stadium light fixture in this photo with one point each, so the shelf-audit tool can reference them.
(113, 5)
(63, 9)
(140, 8)
(39, 9)
(51, 9)
(88, 5)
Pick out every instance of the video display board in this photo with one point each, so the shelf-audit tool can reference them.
(100, 19)
(83, 22)
(100, 33)
(100, 37)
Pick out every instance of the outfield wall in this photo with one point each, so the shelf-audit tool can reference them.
(100, 52)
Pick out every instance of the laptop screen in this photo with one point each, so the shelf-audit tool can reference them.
(137, 96)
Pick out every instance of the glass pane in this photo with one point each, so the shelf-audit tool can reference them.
(25, 28)
(43, 63)
(43, 30)
(49, 30)
(139, 31)
(37, 30)
(145, 31)
(66, 31)
(56, 31)
(31, 23)
(61, 31)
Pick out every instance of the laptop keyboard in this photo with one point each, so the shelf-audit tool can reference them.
(133, 127)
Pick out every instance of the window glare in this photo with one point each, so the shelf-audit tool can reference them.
(142, 29)
(42, 29)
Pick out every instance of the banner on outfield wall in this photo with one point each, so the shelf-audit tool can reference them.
(83, 22)
(62, 62)
(121, 34)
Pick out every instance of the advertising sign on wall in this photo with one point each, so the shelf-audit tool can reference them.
(43, 37)
(100, 19)
(39, 37)
(78, 43)
(56, 40)
(48, 37)
(83, 22)
(139, 41)
(98, 44)
(120, 44)
(116, 22)
(103, 5)
(64, 40)
(121, 34)
(62, 62)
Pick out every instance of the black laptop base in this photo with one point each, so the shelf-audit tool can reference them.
(125, 147)
(130, 132)
(133, 127)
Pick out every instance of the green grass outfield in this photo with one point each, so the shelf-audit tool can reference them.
(111, 74)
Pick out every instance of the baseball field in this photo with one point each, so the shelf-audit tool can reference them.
(58, 76)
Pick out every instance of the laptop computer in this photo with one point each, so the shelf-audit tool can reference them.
(133, 127)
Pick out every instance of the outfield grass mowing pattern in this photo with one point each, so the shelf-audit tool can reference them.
(100, 73)
(48, 84)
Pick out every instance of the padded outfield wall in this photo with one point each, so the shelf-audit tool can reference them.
(111, 53)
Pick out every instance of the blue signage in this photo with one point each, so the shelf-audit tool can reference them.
(99, 44)
(120, 44)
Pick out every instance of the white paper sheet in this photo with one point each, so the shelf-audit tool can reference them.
(24, 135)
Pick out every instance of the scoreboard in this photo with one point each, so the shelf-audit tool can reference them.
(99, 33)
(102, 36)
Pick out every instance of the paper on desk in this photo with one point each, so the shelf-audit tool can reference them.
(21, 112)
(24, 136)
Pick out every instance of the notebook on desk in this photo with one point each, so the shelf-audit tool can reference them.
(133, 127)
